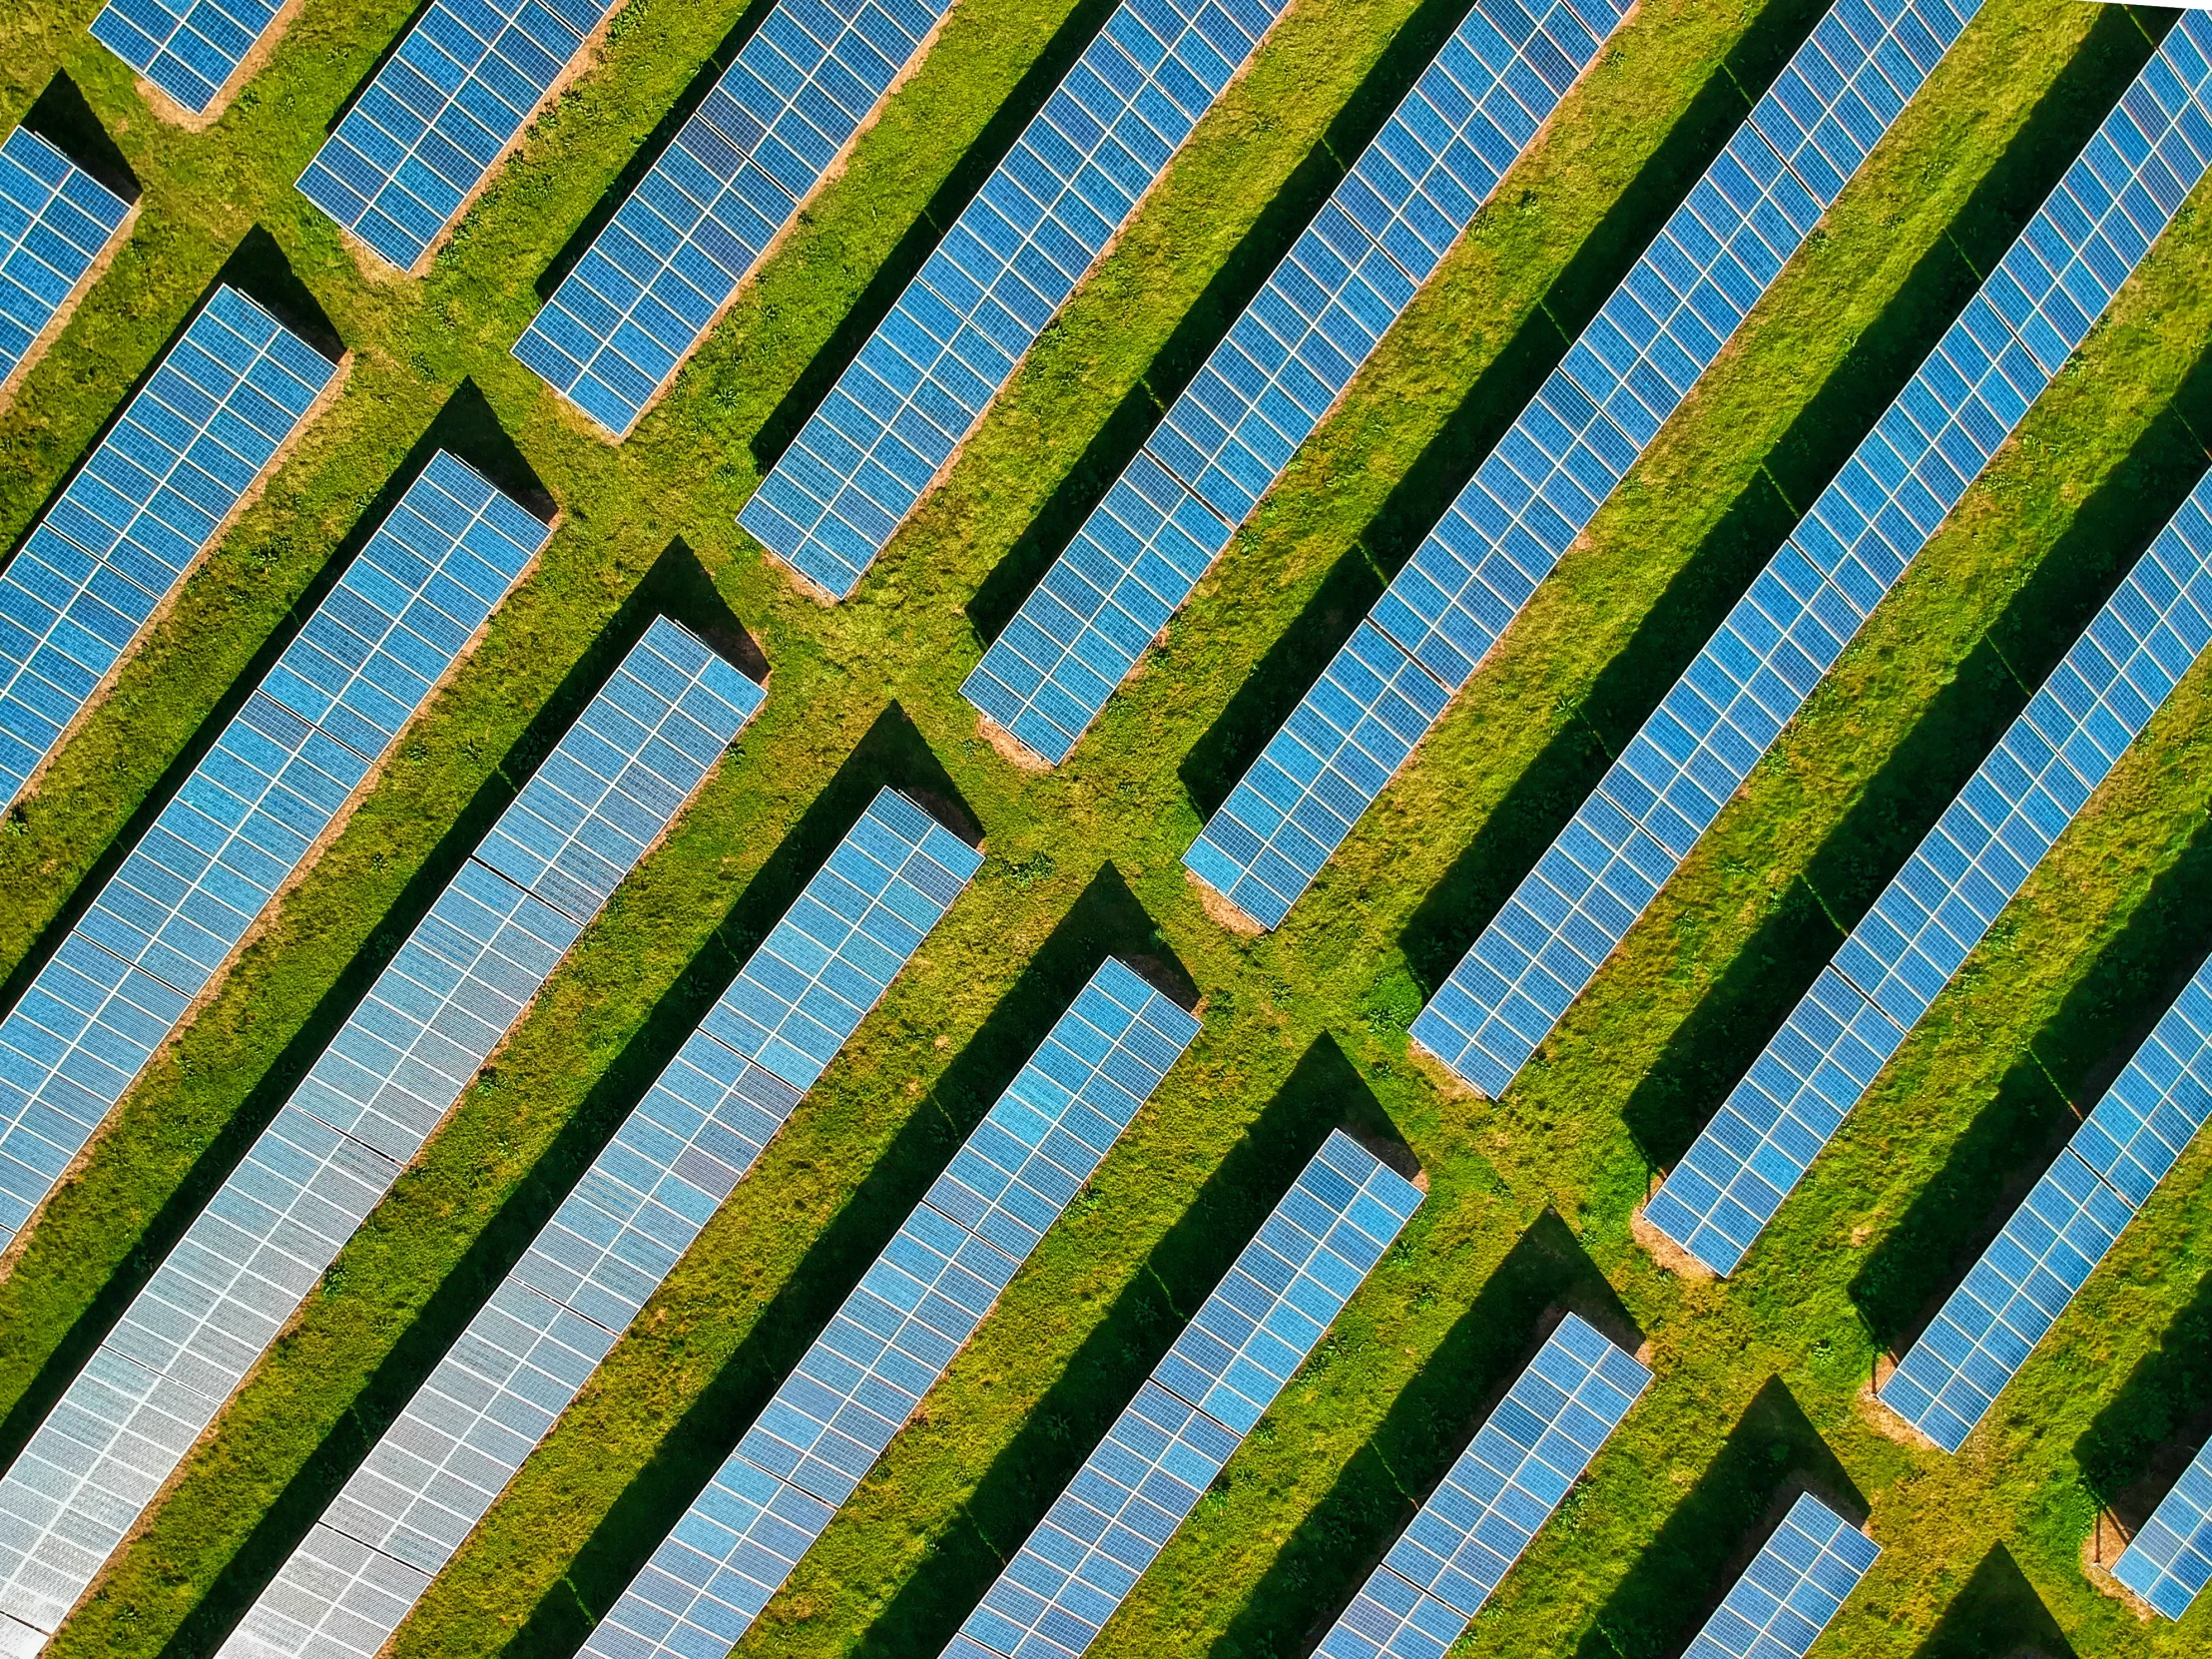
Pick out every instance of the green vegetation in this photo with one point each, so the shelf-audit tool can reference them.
(1531, 1199)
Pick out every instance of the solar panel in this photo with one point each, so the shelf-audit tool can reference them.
(1989, 1326)
(1544, 482)
(1783, 636)
(56, 224)
(499, 1390)
(2170, 1560)
(897, 1332)
(1498, 1496)
(734, 180)
(385, 1082)
(151, 499)
(193, 50)
(442, 111)
(1225, 1369)
(1015, 254)
(1282, 364)
(1794, 1587)
(1950, 892)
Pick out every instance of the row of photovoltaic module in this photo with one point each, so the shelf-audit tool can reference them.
(1543, 483)
(191, 49)
(1787, 632)
(1041, 219)
(1281, 365)
(390, 1076)
(56, 222)
(1920, 932)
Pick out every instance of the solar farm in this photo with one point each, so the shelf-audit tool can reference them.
(1010, 829)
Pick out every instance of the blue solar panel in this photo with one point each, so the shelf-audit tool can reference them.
(1794, 1587)
(897, 1332)
(1543, 483)
(653, 281)
(1014, 255)
(1751, 677)
(56, 223)
(2169, 1562)
(455, 988)
(2064, 1226)
(1522, 1462)
(443, 110)
(191, 49)
(1282, 365)
(150, 501)
(1939, 906)
(1225, 1369)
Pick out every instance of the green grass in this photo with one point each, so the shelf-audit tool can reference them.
(1757, 1379)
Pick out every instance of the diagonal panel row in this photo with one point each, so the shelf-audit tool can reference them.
(151, 499)
(196, 51)
(733, 180)
(951, 343)
(56, 221)
(1922, 928)
(387, 1081)
(1282, 364)
(1749, 681)
(1542, 485)
(897, 1332)
(2169, 1561)
(494, 1396)
(1222, 1373)
(1793, 1590)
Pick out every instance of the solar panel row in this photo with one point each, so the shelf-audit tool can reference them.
(1749, 679)
(151, 499)
(1223, 1371)
(1017, 251)
(1282, 364)
(432, 1475)
(1544, 482)
(377, 1093)
(899, 1330)
(1937, 910)
(653, 281)
(2169, 1561)
(1794, 1587)
(441, 112)
(56, 223)
(1496, 1497)
(191, 49)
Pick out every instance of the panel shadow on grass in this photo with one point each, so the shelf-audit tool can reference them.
(1335, 1547)
(2136, 1447)
(1325, 1091)
(1998, 1615)
(1802, 462)
(1294, 661)
(61, 116)
(1772, 1456)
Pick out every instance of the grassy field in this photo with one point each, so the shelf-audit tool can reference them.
(1759, 1380)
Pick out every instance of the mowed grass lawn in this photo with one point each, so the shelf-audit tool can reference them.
(1759, 1380)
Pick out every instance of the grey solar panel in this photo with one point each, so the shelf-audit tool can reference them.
(56, 223)
(387, 1079)
(1782, 638)
(1244, 1343)
(498, 1391)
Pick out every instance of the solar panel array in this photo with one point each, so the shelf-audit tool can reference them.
(2169, 1561)
(164, 926)
(1496, 1497)
(1794, 1587)
(1282, 364)
(387, 1079)
(441, 113)
(1937, 910)
(1782, 637)
(56, 221)
(505, 1382)
(150, 500)
(191, 49)
(1544, 482)
(653, 281)
(1224, 1371)
(1047, 211)
(897, 1332)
